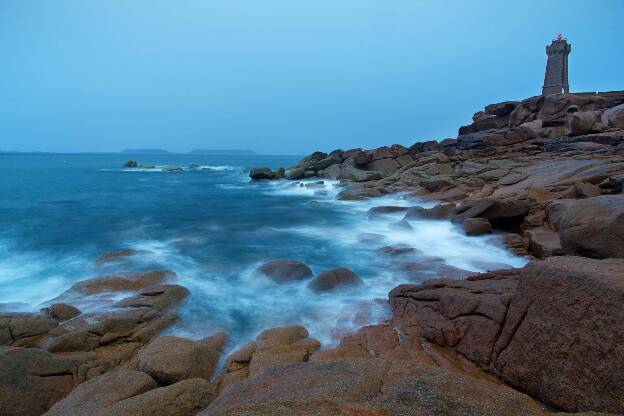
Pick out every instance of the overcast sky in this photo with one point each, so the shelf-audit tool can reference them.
(281, 76)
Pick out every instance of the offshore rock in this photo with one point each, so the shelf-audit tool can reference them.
(282, 271)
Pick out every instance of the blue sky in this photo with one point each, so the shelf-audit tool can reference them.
(281, 76)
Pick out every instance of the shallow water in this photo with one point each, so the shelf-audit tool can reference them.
(214, 227)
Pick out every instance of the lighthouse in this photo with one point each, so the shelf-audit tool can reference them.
(556, 77)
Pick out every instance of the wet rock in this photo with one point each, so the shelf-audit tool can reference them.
(118, 255)
(172, 359)
(282, 271)
(438, 212)
(402, 225)
(124, 282)
(32, 380)
(397, 249)
(159, 298)
(516, 323)
(94, 396)
(261, 173)
(367, 387)
(350, 196)
(384, 209)
(185, 398)
(369, 238)
(294, 173)
(130, 164)
(334, 279)
(592, 227)
(476, 226)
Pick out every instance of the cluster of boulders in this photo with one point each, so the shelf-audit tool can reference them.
(545, 174)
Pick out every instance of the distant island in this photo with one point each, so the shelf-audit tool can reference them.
(222, 152)
(145, 151)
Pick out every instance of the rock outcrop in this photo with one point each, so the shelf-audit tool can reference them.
(552, 329)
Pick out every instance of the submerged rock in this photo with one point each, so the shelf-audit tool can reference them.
(119, 255)
(282, 271)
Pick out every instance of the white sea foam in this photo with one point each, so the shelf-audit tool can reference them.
(32, 278)
(167, 168)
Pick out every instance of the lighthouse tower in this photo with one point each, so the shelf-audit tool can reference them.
(556, 78)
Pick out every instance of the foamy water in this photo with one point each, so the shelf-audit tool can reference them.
(214, 228)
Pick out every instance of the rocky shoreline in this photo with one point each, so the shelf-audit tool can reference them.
(546, 174)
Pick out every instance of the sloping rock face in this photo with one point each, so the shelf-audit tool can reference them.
(91, 397)
(553, 329)
(367, 387)
(591, 227)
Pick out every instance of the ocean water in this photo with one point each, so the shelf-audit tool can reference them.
(213, 227)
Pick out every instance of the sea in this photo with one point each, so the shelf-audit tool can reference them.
(213, 226)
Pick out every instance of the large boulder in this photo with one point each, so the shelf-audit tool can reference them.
(172, 359)
(438, 212)
(552, 329)
(282, 271)
(92, 397)
(32, 380)
(334, 279)
(368, 387)
(591, 227)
